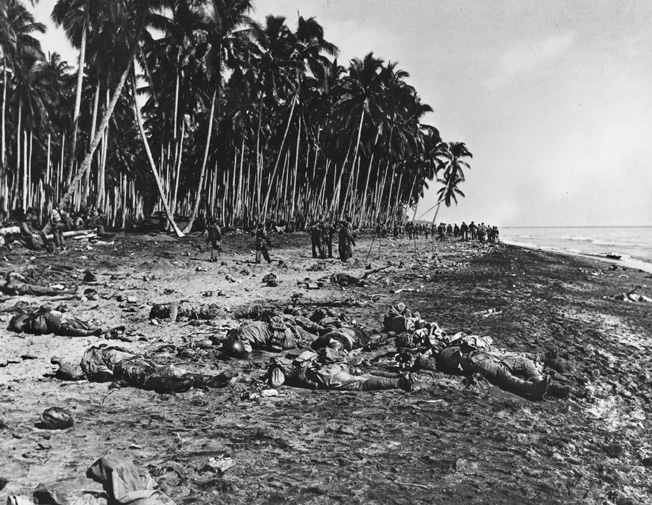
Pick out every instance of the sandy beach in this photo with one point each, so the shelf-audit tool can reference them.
(450, 440)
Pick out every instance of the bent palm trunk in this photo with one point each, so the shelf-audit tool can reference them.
(152, 164)
(195, 209)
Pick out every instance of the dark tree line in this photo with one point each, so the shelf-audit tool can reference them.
(191, 107)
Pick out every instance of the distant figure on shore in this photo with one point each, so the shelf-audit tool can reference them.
(464, 230)
(262, 244)
(315, 238)
(381, 230)
(327, 232)
(482, 231)
(214, 237)
(441, 230)
(346, 240)
(473, 230)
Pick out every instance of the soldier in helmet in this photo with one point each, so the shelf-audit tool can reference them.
(214, 237)
(327, 232)
(55, 225)
(262, 244)
(346, 240)
(327, 369)
(315, 238)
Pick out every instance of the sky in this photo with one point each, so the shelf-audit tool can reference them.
(553, 99)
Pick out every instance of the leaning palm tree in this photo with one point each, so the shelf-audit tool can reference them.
(453, 175)
(129, 19)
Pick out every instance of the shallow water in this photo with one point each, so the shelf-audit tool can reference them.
(631, 243)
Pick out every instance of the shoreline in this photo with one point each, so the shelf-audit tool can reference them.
(626, 263)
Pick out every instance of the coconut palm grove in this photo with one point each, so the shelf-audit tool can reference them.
(191, 108)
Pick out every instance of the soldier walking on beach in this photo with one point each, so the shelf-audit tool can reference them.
(482, 229)
(327, 232)
(346, 239)
(262, 244)
(214, 237)
(315, 239)
(473, 228)
(441, 230)
(464, 230)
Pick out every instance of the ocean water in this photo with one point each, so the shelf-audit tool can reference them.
(632, 243)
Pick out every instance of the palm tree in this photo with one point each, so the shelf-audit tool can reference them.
(74, 16)
(453, 175)
(225, 48)
(20, 49)
(360, 95)
(129, 19)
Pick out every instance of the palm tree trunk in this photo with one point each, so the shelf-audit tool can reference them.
(105, 120)
(296, 170)
(278, 158)
(398, 194)
(336, 193)
(355, 158)
(177, 170)
(366, 185)
(78, 96)
(3, 155)
(203, 166)
(61, 167)
(18, 133)
(26, 165)
(152, 164)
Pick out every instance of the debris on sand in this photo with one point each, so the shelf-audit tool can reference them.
(56, 418)
(185, 311)
(631, 296)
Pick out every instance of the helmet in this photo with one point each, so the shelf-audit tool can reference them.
(235, 349)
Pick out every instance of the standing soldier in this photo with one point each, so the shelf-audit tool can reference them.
(315, 238)
(346, 239)
(473, 229)
(481, 232)
(55, 226)
(262, 243)
(441, 230)
(214, 237)
(464, 230)
(327, 232)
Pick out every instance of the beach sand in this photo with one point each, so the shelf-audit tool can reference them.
(445, 442)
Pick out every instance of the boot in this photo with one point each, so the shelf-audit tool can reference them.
(530, 390)
(557, 391)
(71, 290)
(380, 383)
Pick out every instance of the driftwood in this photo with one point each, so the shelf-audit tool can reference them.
(75, 234)
(9, 230)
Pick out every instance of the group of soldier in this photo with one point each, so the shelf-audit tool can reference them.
(414, 231)
(322, 232)
(35, 234)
